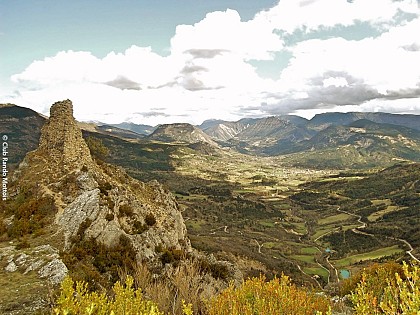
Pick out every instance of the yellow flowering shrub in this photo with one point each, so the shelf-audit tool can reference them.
(401, 295)
(126, 301)
(278, 296)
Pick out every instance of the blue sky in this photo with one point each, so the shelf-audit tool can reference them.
(170, 61)
(33, 30)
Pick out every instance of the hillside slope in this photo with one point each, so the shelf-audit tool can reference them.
(93, 213)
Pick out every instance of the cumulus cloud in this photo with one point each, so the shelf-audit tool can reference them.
(292, 15)
(211, 72)
(224, 31)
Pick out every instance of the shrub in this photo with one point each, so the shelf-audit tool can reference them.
(401, 294)
(376, 277)
(126, 300)
(104, 188)
(278, 296)
(171, 255)
(126, 210)
(139, 228)
(81, 230)
(97, 148)
(31, 216)
(109, 216)
(3, 228)
(23, 244)
(110, 203)
(97, 264)
(150, 219)
(217, 270)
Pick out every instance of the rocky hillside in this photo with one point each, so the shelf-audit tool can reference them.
(182, 133)
(225, 130)
(361, 144)
(64, 199)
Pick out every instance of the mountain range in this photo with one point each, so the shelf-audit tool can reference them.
(338, 140)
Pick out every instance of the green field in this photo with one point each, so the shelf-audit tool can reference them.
(309, 251)
(379, 253)
(323, 273)
(335, 218)
(310, 259)
(379, 214)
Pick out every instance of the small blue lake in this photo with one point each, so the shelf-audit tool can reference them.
(344, 273)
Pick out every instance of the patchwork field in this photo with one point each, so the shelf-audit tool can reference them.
(308, 223)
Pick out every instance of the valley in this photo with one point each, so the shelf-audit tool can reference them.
(271, 217)
(333, 204)
(317, 235)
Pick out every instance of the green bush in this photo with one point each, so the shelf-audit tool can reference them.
(376, 277)
(139, 228)
(97, 264)
(104, 188)
(23, 244)
(217, 270)
(172, 255)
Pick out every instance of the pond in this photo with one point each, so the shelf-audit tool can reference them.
(344, 273)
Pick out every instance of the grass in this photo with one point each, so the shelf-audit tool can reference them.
(335, 218)
(305, 258)
(317, 271)
(379, 253)
(323, 231)
(267, 223)
(272, 245)
(196, 225)
(309, 251)
(17, 289)
(379, 214)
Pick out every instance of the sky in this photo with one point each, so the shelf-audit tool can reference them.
(153, 62)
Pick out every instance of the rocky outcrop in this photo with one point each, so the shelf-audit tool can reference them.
(97, 200)
(61, 139)
(88, 205)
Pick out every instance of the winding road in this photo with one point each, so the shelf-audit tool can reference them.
(363, 225)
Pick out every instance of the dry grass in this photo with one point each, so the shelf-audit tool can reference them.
(186, 283)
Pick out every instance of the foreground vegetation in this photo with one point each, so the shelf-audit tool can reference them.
(380, 289)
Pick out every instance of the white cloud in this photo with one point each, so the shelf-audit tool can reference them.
(325, 73)
(310, 15)
(208, 75)
(225, 31)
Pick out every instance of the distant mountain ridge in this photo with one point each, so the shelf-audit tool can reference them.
(137, 128)
(407, 120)
(181, 132)
(337, 140)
